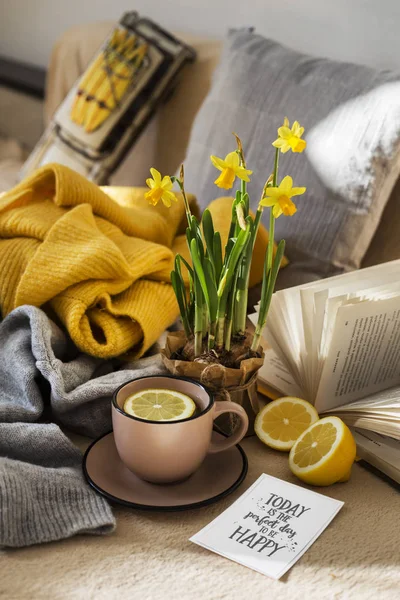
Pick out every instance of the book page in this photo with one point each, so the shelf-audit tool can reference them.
(275, 374)
(284, 332)
(320, 307)
(303, 327)
(384, 447)
(364, 353)
(384, 427)
(386, 399)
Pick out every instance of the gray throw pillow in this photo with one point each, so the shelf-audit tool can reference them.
(351, 116)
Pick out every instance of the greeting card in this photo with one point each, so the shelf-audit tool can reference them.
(270, 526)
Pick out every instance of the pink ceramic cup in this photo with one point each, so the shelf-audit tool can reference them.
(170, 451)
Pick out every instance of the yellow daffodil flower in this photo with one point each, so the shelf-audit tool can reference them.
(290, 138)
(160, 189)
(231, 169)
(280, 197)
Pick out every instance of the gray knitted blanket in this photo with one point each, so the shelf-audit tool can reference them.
(46, 382)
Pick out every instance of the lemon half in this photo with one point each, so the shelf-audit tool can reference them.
(159, 405)
(282, 421)
(324, 453)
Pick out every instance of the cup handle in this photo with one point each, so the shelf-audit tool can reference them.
(225, 407)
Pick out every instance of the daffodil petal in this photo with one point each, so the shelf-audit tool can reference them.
(166, 183)
(277, 211)
(286, 122)
(156, 175)
(297, 130)
(284, 132)
(218, 162)
(232, 160)
(168, 197)
(243, 173)
(268, 202)
(286, 183)
(150, 183)
(273, 192)
(297, 191)
(166, 200)
(278, 143)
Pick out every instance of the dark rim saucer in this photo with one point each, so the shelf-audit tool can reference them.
(156, 508)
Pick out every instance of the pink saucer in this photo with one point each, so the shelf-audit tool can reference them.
(219, 475)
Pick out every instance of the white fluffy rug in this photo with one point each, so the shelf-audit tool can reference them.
(149, 557)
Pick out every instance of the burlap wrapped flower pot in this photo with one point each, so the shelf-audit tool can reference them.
(229, 384)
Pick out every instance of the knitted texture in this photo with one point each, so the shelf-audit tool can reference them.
(43, 496)
(43, 376)
(103, 268)
(102, 265)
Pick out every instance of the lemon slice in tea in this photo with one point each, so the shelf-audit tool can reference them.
(159, 405)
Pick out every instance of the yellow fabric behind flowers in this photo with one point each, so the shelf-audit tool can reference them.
(102, 265)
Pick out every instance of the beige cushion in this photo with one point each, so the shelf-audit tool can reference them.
(163, 143)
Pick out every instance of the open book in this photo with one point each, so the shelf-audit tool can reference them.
(380, 451)
(336, 343)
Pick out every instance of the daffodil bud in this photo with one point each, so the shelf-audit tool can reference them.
(240, 216)
(222, 285)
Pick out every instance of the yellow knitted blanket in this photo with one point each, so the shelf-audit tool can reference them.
(101, 265)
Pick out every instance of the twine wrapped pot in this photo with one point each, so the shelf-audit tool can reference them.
(233, 385)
